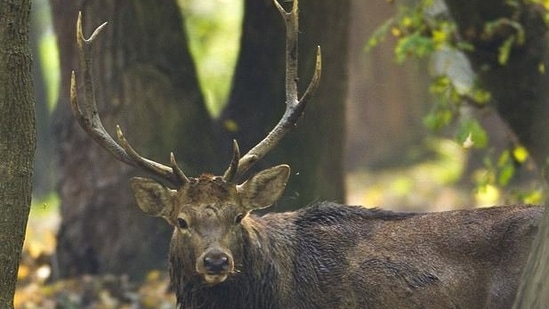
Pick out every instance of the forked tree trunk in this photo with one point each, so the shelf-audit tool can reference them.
(17, 140)
(314, 149)
(146, 82)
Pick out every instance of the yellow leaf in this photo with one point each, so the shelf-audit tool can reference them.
(520, 154)
(34, 249)
(231, 125)
(153, 275)
(19, 298)
(23, 272)
(439, 37)
(534, 197)
(487, 196)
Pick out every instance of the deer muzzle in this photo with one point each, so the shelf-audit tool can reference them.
(215, 265)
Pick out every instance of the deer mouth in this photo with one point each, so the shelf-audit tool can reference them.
(215, 278)
(214, 266)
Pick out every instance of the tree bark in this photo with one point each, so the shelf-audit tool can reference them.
(146, 82)
(17, 140)
(520, 96)
(315, 149)
(386, 100)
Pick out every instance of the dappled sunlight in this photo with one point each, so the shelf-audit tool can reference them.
(213, 29)
(102, 292)
(37, 289)
(430, 185)
(437, 184)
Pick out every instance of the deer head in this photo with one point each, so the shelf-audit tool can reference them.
(207, 212)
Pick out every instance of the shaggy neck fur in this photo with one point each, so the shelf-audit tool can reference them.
(256, 283)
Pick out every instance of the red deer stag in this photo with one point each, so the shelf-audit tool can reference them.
(323, 256)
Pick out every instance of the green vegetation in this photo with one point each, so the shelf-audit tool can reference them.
(424, 30)
(47, 49)
(49, 59)
(213, 29)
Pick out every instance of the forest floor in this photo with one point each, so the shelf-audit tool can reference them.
(433, 183)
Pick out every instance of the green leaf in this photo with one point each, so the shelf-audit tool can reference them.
(379, 34)
(414, 45)
(477, 134)
(505, 50)
(506, 173)
(438, 119)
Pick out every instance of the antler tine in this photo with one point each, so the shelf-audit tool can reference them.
(230, 173)
(294, 105)
(177, 170)
(90, 121)
(173, 174)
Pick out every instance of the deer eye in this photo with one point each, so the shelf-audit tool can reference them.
(239, 218)
(182, 223)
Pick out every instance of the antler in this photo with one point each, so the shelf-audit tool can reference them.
(90, 121)
(294, 104)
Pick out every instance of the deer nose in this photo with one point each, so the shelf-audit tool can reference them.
(215, 262)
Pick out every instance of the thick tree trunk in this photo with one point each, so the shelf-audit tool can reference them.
(315, 148)
(17, 140)
(146, 82)
(386, 100)
(520, 96)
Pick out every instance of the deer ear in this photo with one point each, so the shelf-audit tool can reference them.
(264, 188)
(152, 197)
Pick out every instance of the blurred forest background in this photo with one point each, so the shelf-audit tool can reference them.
(190, 75)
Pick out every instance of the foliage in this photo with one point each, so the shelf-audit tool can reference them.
(213, 29)
(102, 292)
(424, 29)
(37, 268)
(49, 55)
(48, 51)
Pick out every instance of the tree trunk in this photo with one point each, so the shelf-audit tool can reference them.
(146, 82)
(386, 100)
(17, 140)
(315, 149)
(520, 96)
